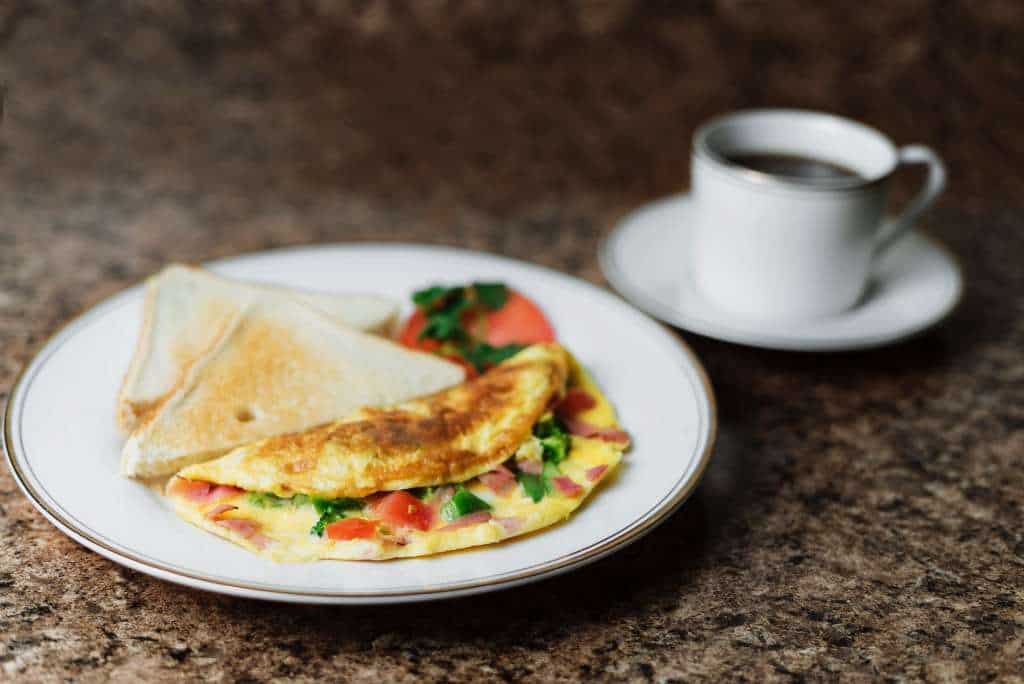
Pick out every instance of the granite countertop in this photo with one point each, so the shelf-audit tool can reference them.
(862, 515)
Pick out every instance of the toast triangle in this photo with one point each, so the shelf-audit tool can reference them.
(277, 367)
(187, 311)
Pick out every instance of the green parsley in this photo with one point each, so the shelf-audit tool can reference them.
(463, 502)
(491, 295)
(554, 439)
(426, 299)
(331, 510)
(483, 355)
(270, 500)
(534, 485)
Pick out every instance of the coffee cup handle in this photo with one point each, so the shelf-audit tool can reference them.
(933, 185)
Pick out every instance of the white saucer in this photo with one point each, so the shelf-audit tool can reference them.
(915, 285)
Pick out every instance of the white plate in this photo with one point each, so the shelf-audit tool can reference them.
(63, 449)
(915, 285)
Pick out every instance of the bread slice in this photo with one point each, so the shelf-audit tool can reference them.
(277, 367)
(188, 310)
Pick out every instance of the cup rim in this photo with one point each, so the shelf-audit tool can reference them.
(704, 151)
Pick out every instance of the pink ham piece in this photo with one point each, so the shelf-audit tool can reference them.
(511, 525)
(584, 429)
(467, 520)
(246, 528)
(219, 510)
(202, 492)
(500, 480)
(575, 401)
(594, 474)
(261, 541)
(530, 467)
(566, 486)
(224, 492)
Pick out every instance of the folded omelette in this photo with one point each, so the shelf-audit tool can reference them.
(510, 452)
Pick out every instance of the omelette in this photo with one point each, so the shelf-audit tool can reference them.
(510, 452)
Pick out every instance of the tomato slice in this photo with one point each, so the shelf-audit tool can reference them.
(409, 335)
(519, 321)
(404, 510)
(352, 528)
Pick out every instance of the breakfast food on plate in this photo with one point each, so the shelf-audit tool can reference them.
(276, 366)
(189, 310)
(506, 453)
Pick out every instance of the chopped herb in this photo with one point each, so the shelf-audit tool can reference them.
(533, 485)
(445, 309)
(264, 500)
(463, 502)
(444, 322)
(270, 500)
(426, 299)
(554, 439)
(491, 295)
(332, 510)
(550, 470)
(483, 355)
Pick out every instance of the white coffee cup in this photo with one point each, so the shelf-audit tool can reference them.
(780, 247)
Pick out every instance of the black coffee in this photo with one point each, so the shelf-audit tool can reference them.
(794, 167)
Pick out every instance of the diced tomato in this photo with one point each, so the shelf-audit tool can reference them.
(404, 510)
(352, 528)
(519, 321)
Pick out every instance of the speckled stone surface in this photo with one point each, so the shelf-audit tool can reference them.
(862, 518)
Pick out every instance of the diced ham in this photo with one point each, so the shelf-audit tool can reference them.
(566, 485)
(575, 401)
(221, 492)
(500, 480)
(201, 491)
(193, 490)
(530, 466)
(219, 510)
(261, 541)
(467, 520)
(511, 525)
(594, 474)
(584, 429)
(246, 528)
